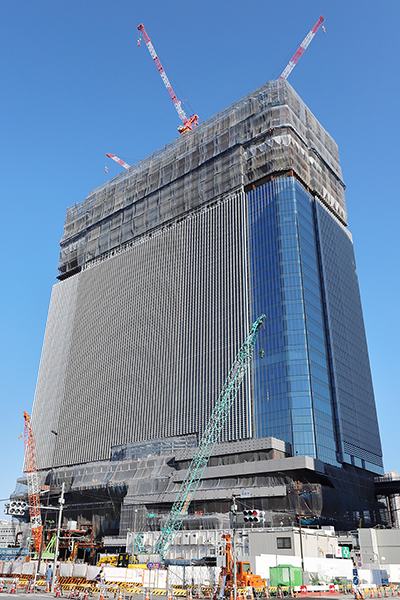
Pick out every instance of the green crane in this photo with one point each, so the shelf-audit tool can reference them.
(209, 438)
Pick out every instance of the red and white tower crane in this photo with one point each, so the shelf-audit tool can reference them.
(33, 484)
(187, 123)
(301, 49)
(119, 161)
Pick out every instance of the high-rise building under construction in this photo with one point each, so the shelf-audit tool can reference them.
(162, 270)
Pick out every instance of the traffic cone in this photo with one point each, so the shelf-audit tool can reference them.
(102, 597)
(214, 594)
(386, 592)
(1, 585)
(147, 595)
(398, 591)
(58, 591)
(372, 593)
(190, 594)
(344, 589)
(280, 592)
(198, 593)
(378, 592)
(120, 594)
(266, 592)
(362, 594)
(47, 587)
(231, 595)
(393, 592)
(170, 594)
(13, 587)
(72, 594)
(86, 594)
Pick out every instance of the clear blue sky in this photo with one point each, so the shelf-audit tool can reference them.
(75, 85)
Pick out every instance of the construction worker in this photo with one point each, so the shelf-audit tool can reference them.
(49, 576)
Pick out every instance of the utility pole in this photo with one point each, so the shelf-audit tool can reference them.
(300, 532)
(234, 512)
(61, 502)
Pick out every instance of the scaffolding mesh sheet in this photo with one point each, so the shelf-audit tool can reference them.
(269, 131)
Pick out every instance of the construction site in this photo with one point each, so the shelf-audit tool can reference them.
(224, 430)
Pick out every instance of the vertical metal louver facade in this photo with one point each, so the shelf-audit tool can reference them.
(151, 336)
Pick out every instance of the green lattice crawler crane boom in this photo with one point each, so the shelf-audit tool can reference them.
(207, 442)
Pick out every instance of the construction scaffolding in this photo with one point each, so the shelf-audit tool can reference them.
(268, 133)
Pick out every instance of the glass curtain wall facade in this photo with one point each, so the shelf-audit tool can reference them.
(311, 383)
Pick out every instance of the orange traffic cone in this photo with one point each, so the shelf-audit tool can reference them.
(72, 594)
(1, 585)
(393, 592)
(102, 596)
(147, 595)
(198, 593)
(86, 594)
(372, 593)
(231, 595)
(190, 594)
(170, 595)
(120, 594)
(398, 591)
(386, 592)
(13, 587)
(266, 592)
(379, 592)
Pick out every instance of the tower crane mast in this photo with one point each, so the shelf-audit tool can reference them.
(33, 484)
(208, 440)
(187, 123)
(301, 49)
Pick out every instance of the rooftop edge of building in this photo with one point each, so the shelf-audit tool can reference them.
(269, 132)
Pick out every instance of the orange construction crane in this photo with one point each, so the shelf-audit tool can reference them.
(33, 484)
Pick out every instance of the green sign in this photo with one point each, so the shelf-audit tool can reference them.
(150, 515)
(345, 552)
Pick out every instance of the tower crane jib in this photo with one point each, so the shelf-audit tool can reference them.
(301, 49)
(187, 123)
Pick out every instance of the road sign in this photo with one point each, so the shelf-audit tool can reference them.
(359, 564)
(356, 581)
(345, 552)
(150, 565)
(245, 494)
(355, 572)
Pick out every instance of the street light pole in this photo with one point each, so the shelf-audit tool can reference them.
(61, 502)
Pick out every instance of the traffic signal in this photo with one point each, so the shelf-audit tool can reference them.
(15, 508)
(221, 554)
(253, 516)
